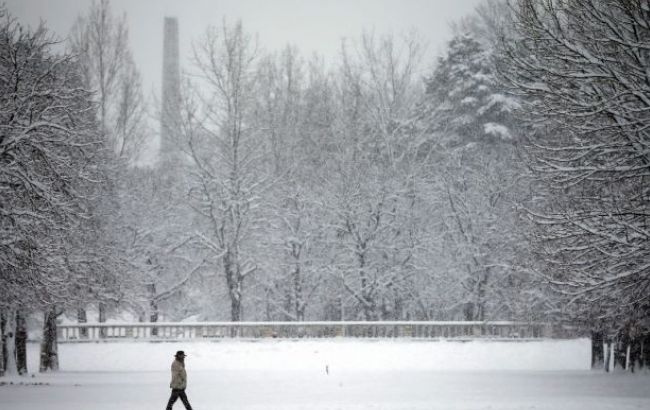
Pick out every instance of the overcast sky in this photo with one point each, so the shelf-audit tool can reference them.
(312, 26)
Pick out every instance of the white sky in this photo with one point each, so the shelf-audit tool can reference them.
(312, 26)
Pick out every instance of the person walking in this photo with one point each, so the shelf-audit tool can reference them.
(179, 381)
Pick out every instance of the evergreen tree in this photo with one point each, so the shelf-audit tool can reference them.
(465, 101)
(475, 171)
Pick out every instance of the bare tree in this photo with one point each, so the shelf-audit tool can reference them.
(291, 249)
(582, 68)
(226, 154)
(369, 173)
(100, 40)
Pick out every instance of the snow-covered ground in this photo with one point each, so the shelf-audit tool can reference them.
(332, 374)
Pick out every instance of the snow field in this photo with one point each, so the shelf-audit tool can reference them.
(338, 354)
(363, 375)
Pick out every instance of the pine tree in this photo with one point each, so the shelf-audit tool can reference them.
(465, 101)
(476, 173)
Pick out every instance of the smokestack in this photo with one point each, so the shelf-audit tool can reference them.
(171, 95)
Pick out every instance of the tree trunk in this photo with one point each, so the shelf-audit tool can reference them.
(82, 318)
(153, 313)
(287, 304)
(235, 305)
(612, 355)
(480, 297)
(234, 283)
(368, 302)
(49, 345)
(597, 350)
(153, 307)
(21, 342)
(3, 345)
(468, 311)
(643, 351)
(102, 318)
(267, 304)
(235, 310)
(298, 296)
(10, 341)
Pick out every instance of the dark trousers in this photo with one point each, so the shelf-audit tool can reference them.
(176, 393)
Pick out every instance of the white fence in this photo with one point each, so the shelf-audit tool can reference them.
(394, 329)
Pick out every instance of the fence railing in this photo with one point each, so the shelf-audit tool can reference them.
(393, 329)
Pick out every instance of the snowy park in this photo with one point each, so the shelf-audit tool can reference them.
(329, 205)
(330, 375)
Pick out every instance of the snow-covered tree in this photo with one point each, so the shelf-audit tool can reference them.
(100, 41)
(158, 250)
(368, 173)
(476, 173)
(292, 244)
(581, 68)
(468, 104)
(52, 167)
(226, 153)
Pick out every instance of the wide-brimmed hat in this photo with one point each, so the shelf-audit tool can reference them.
(180, 353)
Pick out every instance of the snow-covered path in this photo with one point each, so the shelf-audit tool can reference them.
(292, 375)
(235, 390)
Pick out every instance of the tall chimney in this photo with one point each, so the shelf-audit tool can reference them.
(171, 96)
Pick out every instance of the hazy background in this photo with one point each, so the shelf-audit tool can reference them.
(312, 26)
